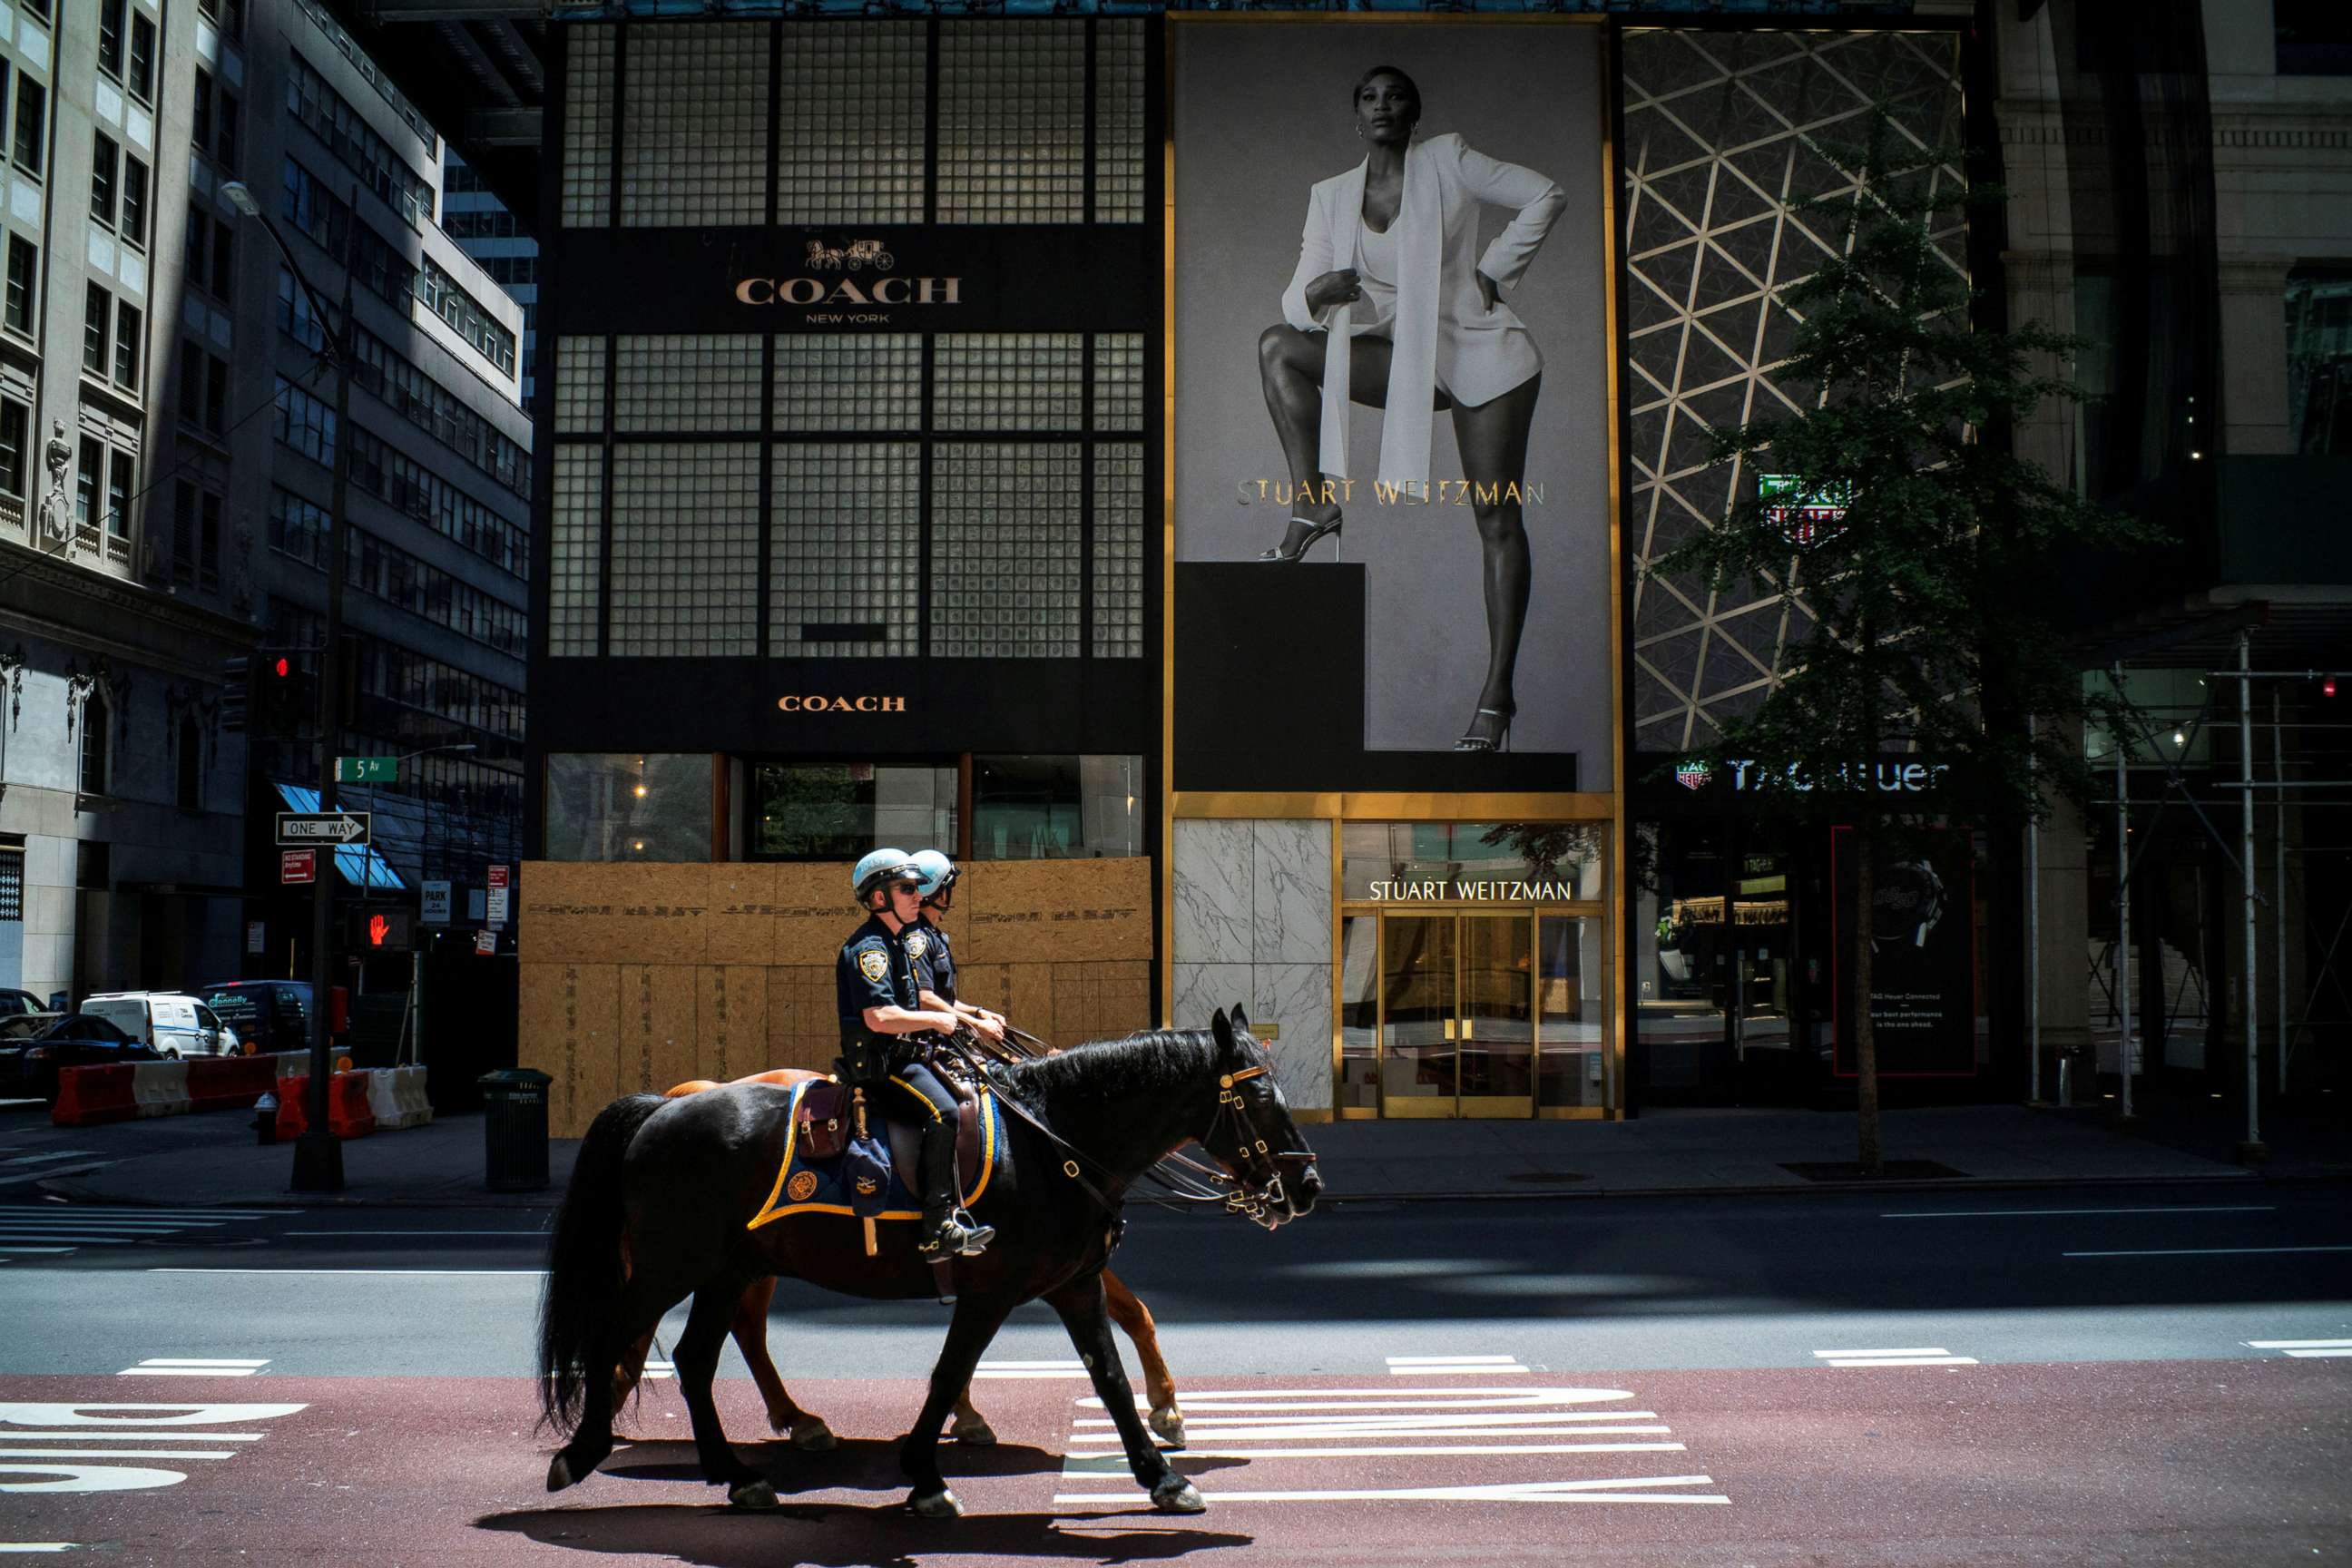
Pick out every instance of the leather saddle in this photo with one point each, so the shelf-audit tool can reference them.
(826, 1118)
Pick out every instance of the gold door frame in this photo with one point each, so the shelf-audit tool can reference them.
(1611, 1106)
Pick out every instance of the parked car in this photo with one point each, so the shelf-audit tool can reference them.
(174, 1023)
(268, 1015)
(28, 1068)
(22, 1005)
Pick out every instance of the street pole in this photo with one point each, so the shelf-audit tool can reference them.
(318, 1156)
(2123, 915)
(2032, 927)
(2251, 1150)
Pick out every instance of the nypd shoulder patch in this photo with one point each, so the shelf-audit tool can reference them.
(918, 944)
(874, 964)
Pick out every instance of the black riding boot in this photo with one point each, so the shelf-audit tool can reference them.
(947, 1230)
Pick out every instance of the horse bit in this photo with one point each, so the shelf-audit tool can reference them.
(1257, 1203)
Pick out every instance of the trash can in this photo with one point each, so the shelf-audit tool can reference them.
(514, 1130)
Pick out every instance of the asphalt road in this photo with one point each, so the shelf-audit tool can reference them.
(2102, 1374)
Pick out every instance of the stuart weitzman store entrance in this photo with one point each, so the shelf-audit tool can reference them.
(1474, 980)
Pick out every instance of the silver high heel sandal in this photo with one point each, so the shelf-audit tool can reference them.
(1500, 741)
(1315, 530)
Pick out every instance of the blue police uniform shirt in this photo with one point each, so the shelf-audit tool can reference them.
(874, 971)
(927, 945)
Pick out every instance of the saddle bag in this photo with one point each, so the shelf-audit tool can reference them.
(823, 1118)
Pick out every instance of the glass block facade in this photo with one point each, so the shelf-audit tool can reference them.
(980, 121)
(1724, 130)
(962, 494)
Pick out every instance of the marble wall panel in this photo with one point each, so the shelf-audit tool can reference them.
(1297, 997)
(1213, 892)
(1203, 988)
(1290, 892)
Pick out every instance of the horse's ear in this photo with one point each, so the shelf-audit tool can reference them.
(1223, 1028)
(1241, 1020)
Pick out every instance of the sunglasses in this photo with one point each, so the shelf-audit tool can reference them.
(906, 887)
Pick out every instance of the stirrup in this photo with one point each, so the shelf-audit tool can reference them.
(1315, 530)
(1501, 739)
(958, 1235)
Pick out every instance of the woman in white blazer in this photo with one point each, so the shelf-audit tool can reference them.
(1391, 307)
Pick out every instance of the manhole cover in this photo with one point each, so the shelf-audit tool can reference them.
(1547, 1176)
(1888, 1171)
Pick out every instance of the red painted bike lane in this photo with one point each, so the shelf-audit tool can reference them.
(2238, 1462)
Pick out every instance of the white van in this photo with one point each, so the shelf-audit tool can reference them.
(173, 1024)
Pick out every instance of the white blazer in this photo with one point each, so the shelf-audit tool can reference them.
(1443, 330)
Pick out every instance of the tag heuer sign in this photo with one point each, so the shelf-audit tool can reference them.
(1693, 774)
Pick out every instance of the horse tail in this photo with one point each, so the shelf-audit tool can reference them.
(585, 1267)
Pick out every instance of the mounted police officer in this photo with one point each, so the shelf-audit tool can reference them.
(927, 945)
(882, 1012)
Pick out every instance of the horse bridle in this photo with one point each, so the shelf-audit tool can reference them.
(1256, 1190)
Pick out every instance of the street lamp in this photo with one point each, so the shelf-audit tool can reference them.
(318, 1156)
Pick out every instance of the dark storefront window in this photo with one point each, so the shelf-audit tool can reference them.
(840, 811)
(2319, 361)
(631, 806)
(1051, 808)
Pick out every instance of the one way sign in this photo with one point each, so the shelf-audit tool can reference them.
(325, 827)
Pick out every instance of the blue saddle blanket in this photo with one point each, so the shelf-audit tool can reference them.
(806, 1186)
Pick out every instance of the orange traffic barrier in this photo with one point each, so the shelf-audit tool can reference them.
(229, 1083)
(89, 1095)
(347, 1106)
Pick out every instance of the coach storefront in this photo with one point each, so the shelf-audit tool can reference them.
(847, 438)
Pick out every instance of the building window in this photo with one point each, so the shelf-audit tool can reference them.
(133, 228)
(183, 532)
(208, 559)
(12, 884)
(2319, 360)
(109, 37)
(840, 811)
(213, 127)
(14, 418)
(628, 807)
(445, 299)
(104, 161)
(142, 57)
(24, 265)
(191, 768)
(126, 346)
(87, 480)
(223, 261)
(96, 720)
(97, 323)
(32, 125)
(305, 423)
(117, 495)
(1054, 808)
(215, 394)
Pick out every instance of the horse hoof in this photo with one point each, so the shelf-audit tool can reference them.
(976, 1433)
(1177, 1495)
(812, 1435)
(940, 1504)
(1168, 1426)
(753, 1493)
(559, 1474)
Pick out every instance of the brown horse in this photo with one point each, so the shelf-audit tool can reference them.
(808, 1431)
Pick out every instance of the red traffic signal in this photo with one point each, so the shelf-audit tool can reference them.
(282, 667)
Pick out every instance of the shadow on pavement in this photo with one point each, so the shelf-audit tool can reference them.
(821, 1536)
(858, 1465)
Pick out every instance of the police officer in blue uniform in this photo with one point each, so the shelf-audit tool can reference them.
(927, 945)
(882, 1011)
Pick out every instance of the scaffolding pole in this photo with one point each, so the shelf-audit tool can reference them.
(2123, 915)
(2278, 887)
(2251, 1148)
(2034, 923)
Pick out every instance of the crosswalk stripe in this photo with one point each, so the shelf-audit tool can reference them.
(1507, 1491)
(1445, 1360)
(2300, 1345)
(1115, 1464)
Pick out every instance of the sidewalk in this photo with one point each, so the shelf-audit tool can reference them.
(1660, 1152)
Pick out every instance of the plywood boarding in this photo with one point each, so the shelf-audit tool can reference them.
(742, 927)
(568, 1032)
(614, 912)
(815, 912)
(657, 1026)
(1101, 1001)
(732, 1013)
(1055, 911)
(803, 1030)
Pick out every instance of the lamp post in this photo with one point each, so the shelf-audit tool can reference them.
(318, 1156)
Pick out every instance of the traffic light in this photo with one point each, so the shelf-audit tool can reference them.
(381, 929)
(286, 693)
(237, 692)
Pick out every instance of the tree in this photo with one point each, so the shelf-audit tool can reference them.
(1916, 551)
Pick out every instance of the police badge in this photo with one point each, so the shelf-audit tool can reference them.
(873, 965)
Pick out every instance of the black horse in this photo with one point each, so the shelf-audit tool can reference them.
(671, 1183)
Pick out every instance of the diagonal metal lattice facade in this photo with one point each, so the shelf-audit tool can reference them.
(1724, 130)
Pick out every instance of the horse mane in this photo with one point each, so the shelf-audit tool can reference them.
(1152, 1059)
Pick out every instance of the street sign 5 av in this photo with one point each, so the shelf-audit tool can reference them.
(367, 770)
(325, 827)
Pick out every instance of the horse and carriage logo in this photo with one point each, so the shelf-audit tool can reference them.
(854, 255)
